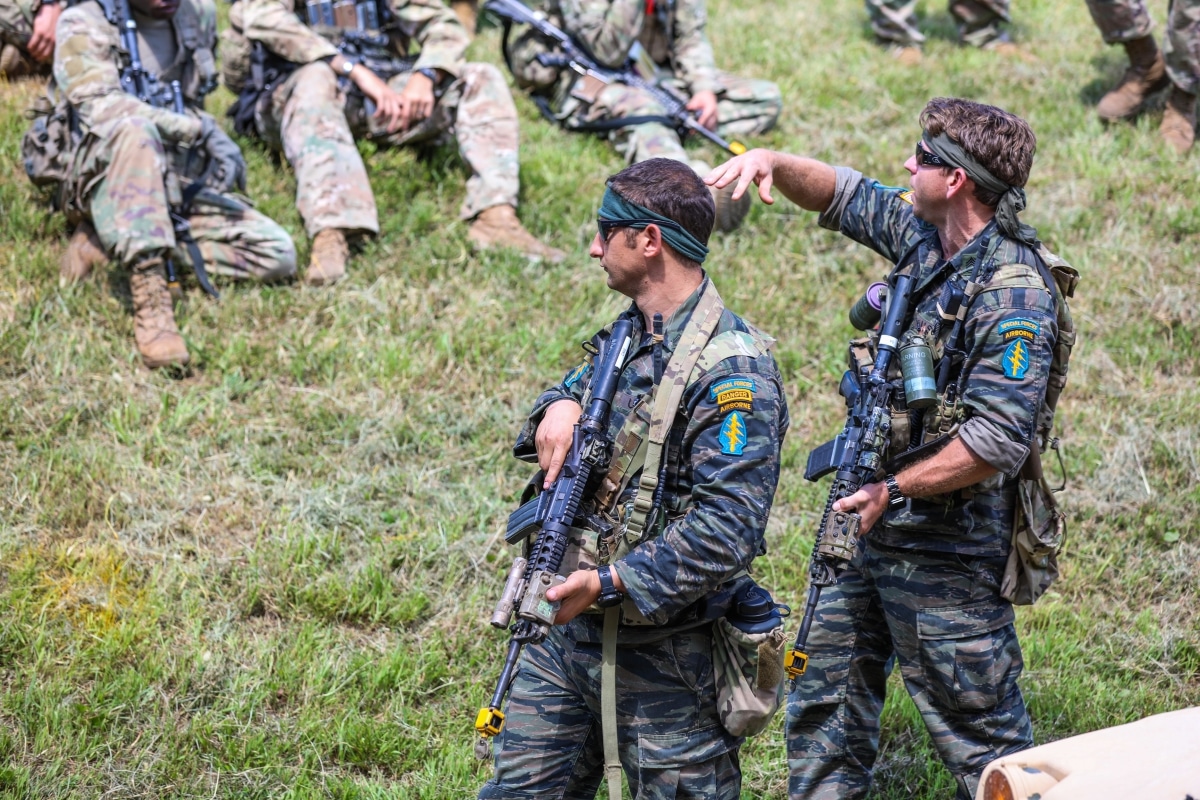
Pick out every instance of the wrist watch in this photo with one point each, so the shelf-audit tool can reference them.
(896, 498)
(347, 66)
(609, 596)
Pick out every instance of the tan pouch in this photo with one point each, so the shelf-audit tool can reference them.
(748, 668)
(1039, 528)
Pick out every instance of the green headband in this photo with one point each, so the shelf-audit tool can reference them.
(617, 208)
(1012, 198)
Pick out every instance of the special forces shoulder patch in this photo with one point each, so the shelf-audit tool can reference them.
(733, 394)
(1016, 360)
(733, 435)
(906, 196)
(576, 374)
(1020, 327)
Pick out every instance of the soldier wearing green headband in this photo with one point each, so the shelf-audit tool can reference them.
(923, 590)
(669, 579)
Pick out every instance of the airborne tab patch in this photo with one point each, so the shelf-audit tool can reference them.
(1020, 328)
(733, 394)
(733, 435)
(1016, 360)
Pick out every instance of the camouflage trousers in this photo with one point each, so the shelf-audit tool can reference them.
(121, 187)
(309, 118)
(941, 618)
(670, 738)
(895, 21)
(745, 106)
(1124, 20)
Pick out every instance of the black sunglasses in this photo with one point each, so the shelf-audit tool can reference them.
(929, 159)
(607, 226)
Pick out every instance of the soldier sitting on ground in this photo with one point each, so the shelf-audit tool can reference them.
(303, 95)
(27, 36)
(127, 166)
(666, 38)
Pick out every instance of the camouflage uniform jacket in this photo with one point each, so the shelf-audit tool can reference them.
(16, 20)
(429, 23)
(88, 75)
(719, 482)
(672, 35)
(1007, 338)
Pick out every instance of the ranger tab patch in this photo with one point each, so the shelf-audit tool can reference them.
(1020, 328)
(733, 394)
(733, 435)
(1016, 360)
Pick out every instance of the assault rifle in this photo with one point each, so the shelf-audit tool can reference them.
(552, 514)
(574, 56)
(855, 454)
(146, 86)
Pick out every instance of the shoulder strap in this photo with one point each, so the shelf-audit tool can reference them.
(667, 396)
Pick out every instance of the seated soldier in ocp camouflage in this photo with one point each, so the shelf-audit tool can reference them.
(313, 79)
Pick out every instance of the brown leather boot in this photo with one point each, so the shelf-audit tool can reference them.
(158, 339)
(1147, 74)
(498, 226)
(1179, 120)
(730, 212)
(84, 253)
(327, 263)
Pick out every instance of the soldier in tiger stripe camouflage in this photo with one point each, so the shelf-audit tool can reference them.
(922, 591)
(720, 470)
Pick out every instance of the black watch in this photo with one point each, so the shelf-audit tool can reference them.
(896, 498)
(609, 596)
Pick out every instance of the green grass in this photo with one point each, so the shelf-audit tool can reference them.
(272, 578)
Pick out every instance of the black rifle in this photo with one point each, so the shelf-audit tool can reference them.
(552, 514)
(856, 455)
(577, 58)
(146, 86)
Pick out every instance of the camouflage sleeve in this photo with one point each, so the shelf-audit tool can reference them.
(86, 73)
(876, 216)
(275, 25)
(693, 53)
(607, 28)
(1009, 335)
(736, 422)
(16, 21)
(573, 386)
(433, 26)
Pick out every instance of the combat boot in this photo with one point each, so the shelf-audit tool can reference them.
(1147, 74)
(84, 253)
(327, 263)
(14, 63)
(498, 226)
(1179, 120)
(730, 212)
(467, 12)
(154, 329)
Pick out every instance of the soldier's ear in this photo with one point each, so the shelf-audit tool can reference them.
(654, 242)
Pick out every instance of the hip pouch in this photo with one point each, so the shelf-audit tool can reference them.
(748, 648)
(1039, 528)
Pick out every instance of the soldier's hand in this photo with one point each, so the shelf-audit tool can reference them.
(869, 502)
(389, 108)
(416, 101)
(554, 435)
(756, 166)
(226, 167)
(706, 104)
(41, 43)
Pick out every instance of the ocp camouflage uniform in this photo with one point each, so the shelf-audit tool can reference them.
(309, 117)
(1122, 21)
(923, 588)
(979, 21)
(16, 28)
(118, 171)
(717, 495)
(673, 36)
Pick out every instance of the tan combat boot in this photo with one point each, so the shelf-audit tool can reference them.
(1147, 74)
(730, 212)
(14, 63)
(498, 226)
(327, 263)
(1179, 121)
(158, 339)
(84, 253)
(467, 12)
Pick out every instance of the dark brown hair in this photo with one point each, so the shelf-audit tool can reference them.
(672, 189)
(1001, 142)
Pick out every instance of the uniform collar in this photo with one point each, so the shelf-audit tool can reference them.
(673, 326)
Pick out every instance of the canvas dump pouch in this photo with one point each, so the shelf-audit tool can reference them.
(1039, 528)
(748, 645)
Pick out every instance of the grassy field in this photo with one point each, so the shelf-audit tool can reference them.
(272, 578)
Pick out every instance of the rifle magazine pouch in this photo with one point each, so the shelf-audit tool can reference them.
(748, 668)
(1039, 527)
